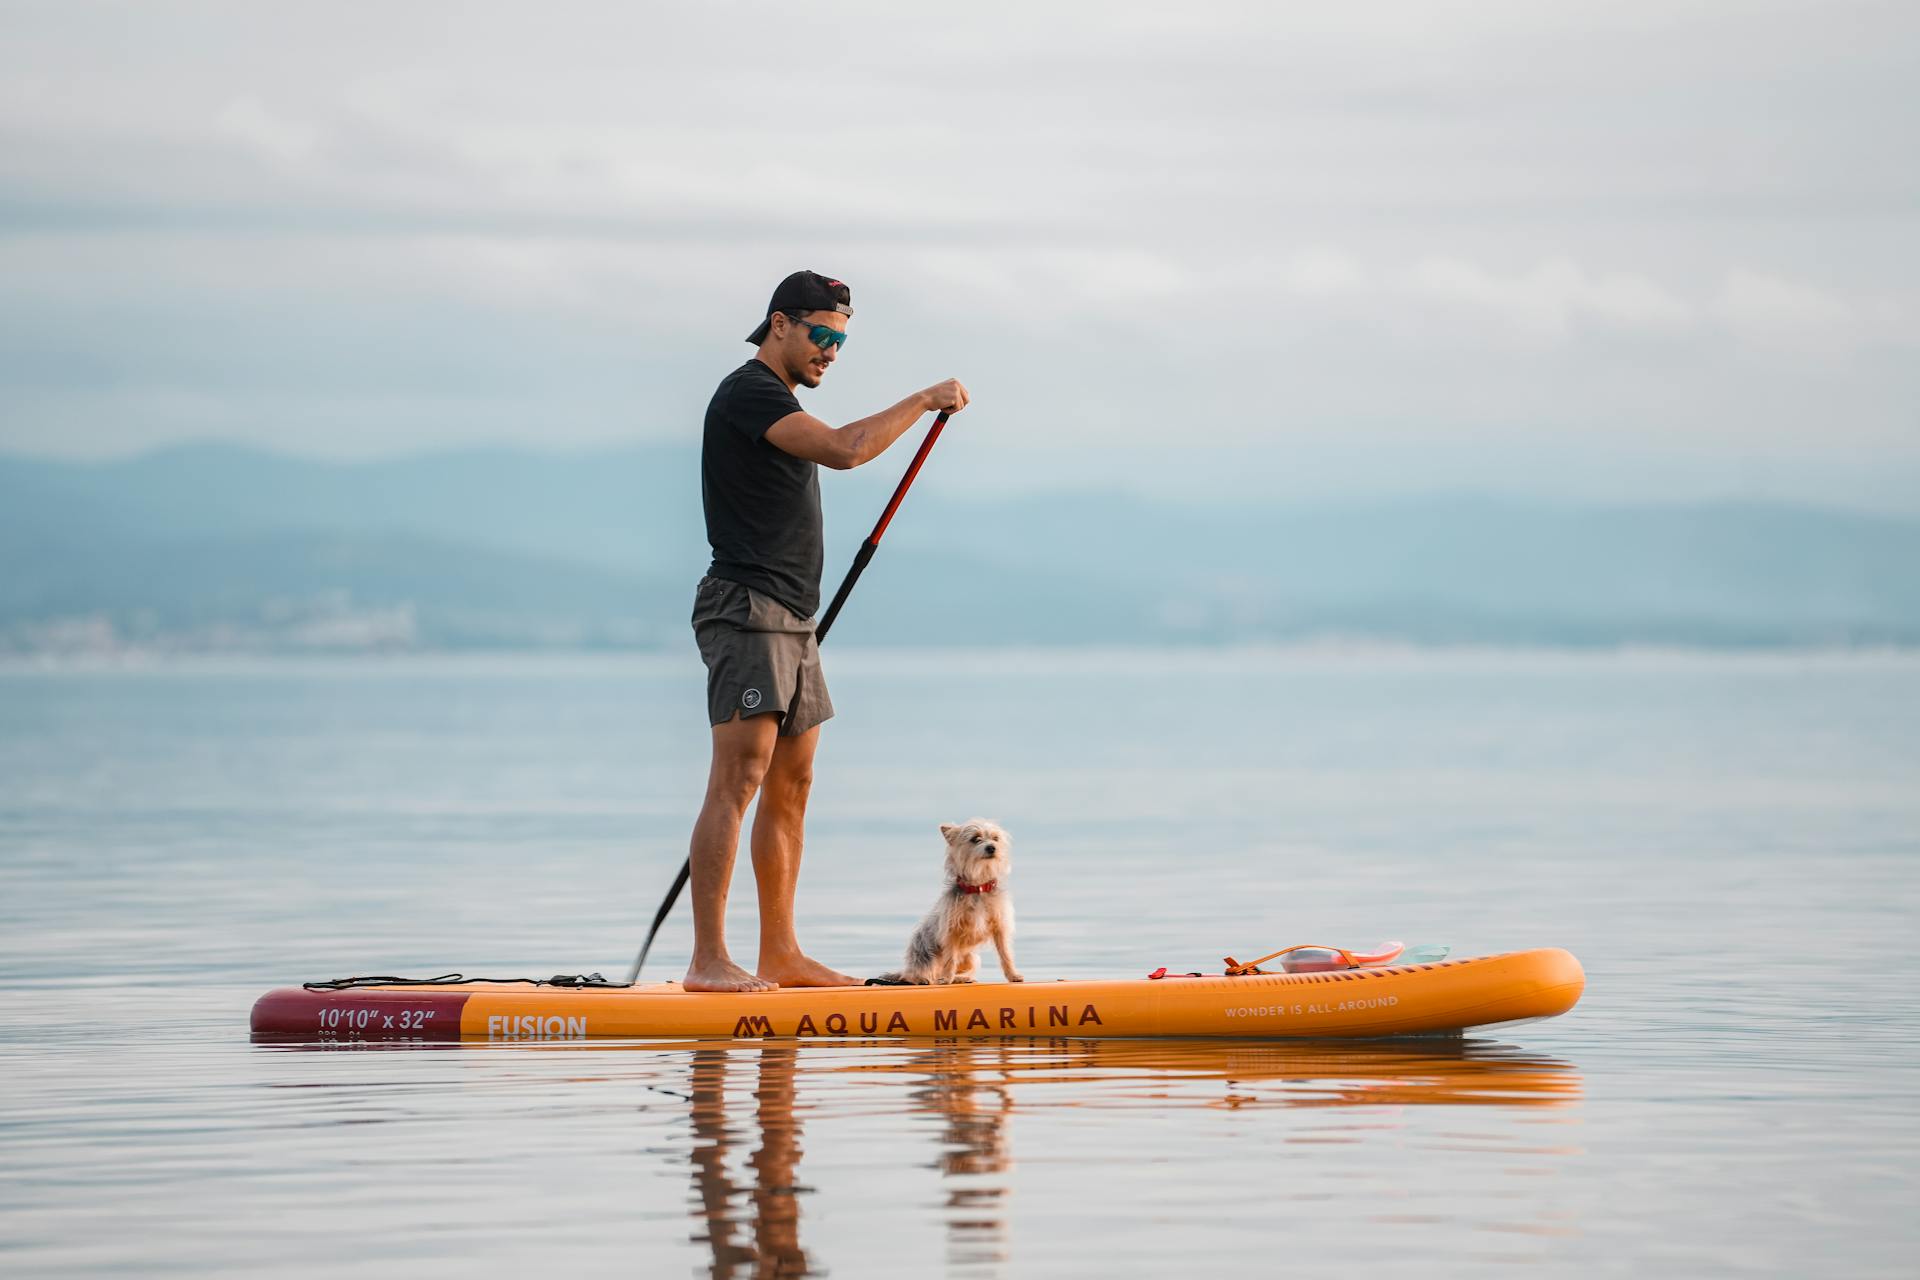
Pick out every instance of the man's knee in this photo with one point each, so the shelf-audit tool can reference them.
(742, 754)
(739, 775)
(789, 778)
(787, 783)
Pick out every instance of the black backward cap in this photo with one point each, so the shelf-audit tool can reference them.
(804, 291)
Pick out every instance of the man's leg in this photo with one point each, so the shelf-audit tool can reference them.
(742, 750)
(779, 831)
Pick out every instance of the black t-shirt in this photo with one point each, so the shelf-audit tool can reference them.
(762, 503)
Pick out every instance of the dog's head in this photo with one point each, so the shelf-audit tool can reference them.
(977, 850)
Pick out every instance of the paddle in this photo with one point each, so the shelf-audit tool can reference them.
(860, 560)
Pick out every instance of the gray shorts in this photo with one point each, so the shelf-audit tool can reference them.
(760, 655)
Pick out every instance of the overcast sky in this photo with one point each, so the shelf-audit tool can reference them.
(1615, 250)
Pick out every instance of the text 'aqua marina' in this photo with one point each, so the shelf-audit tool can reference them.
(896, 1023)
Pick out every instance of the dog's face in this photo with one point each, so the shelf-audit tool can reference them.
(977, 850)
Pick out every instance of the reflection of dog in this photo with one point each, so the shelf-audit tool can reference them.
(976, 906)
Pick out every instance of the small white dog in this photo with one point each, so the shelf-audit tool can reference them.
(976, 906)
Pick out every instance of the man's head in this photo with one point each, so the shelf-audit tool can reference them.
(805, 325)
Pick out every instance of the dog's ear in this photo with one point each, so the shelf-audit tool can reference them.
(946, 830)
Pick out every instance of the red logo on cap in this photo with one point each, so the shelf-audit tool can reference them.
(835, 284)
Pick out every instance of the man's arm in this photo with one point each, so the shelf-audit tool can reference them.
(843, 448)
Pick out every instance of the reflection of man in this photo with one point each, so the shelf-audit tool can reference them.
(771, 1246)
(753, 617)
(756, 1231)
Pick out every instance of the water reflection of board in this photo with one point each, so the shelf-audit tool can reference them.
(1448, 995)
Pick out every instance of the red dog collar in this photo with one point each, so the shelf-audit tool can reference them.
(964, 887)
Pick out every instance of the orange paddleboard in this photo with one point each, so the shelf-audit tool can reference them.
(1390, 1000)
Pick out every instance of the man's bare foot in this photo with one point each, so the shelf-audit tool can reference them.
(799, 971)
(723, 975)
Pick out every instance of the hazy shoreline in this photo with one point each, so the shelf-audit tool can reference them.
(1022, 658)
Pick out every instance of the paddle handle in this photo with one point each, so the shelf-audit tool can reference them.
(906, 481)
(872, 543)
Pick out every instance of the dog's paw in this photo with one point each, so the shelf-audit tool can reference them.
(1014, 977)
(958, 982)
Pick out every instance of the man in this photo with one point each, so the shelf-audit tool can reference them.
(753, 618)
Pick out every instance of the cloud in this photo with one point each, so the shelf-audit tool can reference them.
(1322, 273)
(281, 140)
(1380, 223)
(1782, 315)
(1552, 299)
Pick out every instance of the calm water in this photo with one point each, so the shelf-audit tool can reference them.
(1729, 844)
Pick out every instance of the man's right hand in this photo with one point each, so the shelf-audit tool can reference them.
(946, 397)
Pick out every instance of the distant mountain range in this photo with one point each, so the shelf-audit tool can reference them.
(221, 547)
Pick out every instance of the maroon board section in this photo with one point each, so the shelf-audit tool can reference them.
(294, 1013)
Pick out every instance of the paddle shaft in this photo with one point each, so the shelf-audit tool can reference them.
(860, 561)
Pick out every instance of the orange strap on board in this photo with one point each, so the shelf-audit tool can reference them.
(1237, 969)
